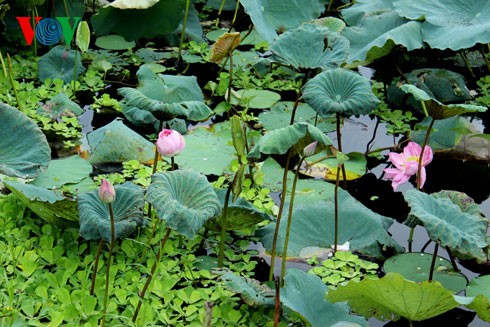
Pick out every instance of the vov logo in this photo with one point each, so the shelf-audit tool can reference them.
(48, 31)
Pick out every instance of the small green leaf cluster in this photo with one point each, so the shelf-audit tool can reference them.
(484, 88)
(344, 266)
(106, 102)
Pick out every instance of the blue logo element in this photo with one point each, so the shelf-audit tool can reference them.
(48, 31)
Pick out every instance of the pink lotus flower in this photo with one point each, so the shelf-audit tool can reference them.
(170, 143)
(406, 164)
(106, 191)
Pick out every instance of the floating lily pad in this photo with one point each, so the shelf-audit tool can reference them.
(95, 222)
(184, 199)
(60, 63)
(70, 170)
(280, 115)
(60, 105)
(393, 296)
(49, 205)
(313, 225)
(255, 99)
(25, 150)
(114, 42)
(115, 142)
(479, 287)
(416, 267)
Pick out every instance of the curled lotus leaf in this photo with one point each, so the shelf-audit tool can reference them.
(340, 91)
(224, 46)
(25, 149)
(184, 199)
(333, 24)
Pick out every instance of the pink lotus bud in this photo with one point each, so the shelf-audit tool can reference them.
(106, 191)
(170, 143)
(310, 149)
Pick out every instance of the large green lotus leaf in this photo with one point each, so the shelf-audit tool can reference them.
(313, 225)
(462, 200)
(479, 287)
(340, 91)
(280, 115)
(115, 142)
(144, 118)
(25, 150)
(168, 88)
(445, 134)
(453, 24)
(209, 150)
(392, 296)
(95, 221)
(49, 205)
(132, 24)
(240, 214)
(69, 170)
(310, 46)
(446, 224)
(416, 267)
(269, 16)
(191, 110)
(114, 42)
(308, 191)
(296, 136)
(60, 63)
(251, 291)
(305, 294)
(255, 99)
(377, 35)
(362, 9)
(60, 105)
(184, 199)
(437, 109)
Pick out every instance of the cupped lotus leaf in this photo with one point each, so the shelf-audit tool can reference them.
(305, 294)
(144, 118)
(184, 199)
(355, 167)
(25, 150)
(251, 290)
(114, 42)
(60, 63)
(308, 191)
(191, 110)
(333, 24)
(115, 142)
(69, 170)
(377, 35)
(447, 225)
(479, 287)
(437, 109)
(95, 221)
(255, 99)
(462, 200)
(393, 296)
(362, 9)
(280, 115)
(310, 46)
(49, 205)
(224, 46)
(163, 17)
(241, 214)
(296, 137)
(60, 105)
(453, 24)
(313, 225)
(416, 267)
(340, 91)
(269, 16)
(445, 134)
(209, 150)
(132, 4)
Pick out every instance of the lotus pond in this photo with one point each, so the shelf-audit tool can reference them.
(244, 163)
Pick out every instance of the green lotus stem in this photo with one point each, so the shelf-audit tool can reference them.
(410, 239)
(433, 262)
(152, 273)
(235, 14)
(109, 260)
(4, 67)
(451, 257)
(230, 81)
(467, 63)
(223, 223)
(184, 25)
(336, 208)
(339, 146)
(424, 108)
(295, 107)
(290, 219)
(426, 141)
(96, 266)
(279, 214)
(220, 10)
(172, 163)
(330, 5)
(425, 245)
(75, 72)
(66, 9)
(33, 23)
(12, 81)
(485, 58)
(277, 302)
